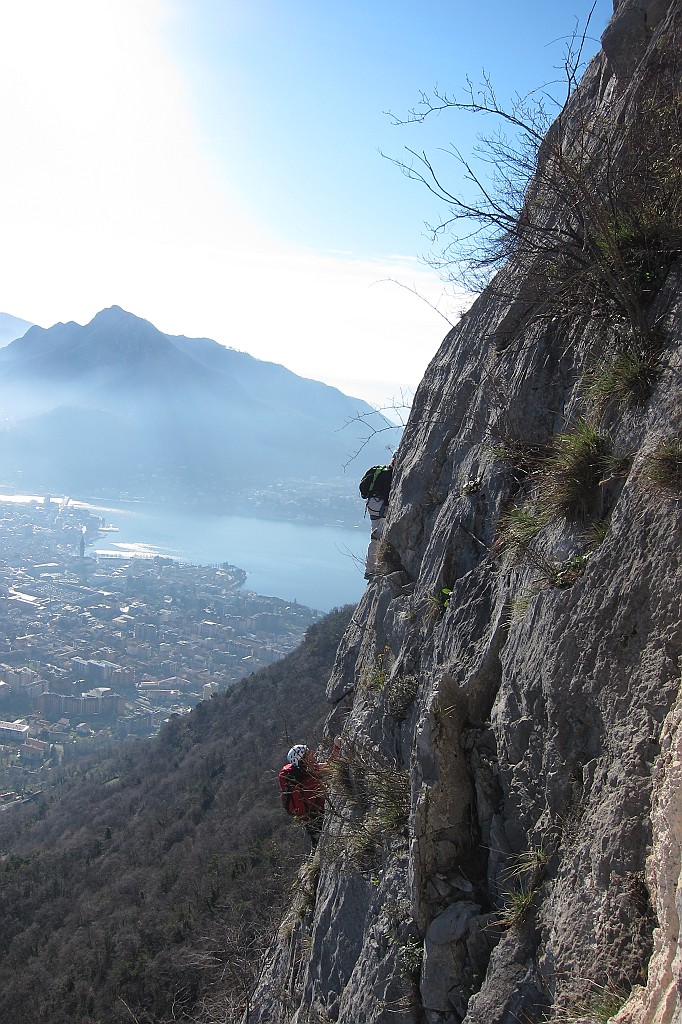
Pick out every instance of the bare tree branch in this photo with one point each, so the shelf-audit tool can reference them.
(414, 291)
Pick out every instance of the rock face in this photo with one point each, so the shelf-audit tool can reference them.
(505, 820)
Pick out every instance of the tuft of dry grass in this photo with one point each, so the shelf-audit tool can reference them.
(664, 470)
(579, 459)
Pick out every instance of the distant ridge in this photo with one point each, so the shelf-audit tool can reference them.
(12, 327)
(118, 407)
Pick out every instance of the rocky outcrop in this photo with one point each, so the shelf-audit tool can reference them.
(504, 831)
(659, 1001)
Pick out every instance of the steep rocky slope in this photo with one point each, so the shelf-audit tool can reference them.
(505, 826)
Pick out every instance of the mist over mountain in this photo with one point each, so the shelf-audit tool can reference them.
(117, 407)
(12, 327)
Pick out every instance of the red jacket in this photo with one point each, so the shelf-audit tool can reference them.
(301, 791)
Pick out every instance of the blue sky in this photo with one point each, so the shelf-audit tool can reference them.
(215, 166)
(302, 92)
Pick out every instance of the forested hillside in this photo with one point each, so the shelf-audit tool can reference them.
(142, 884)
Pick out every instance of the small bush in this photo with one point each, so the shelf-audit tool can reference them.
(516, 907)
(364, 843)
(388, 788)
(377, 793)
(665, 467)
(411, 956)
(402, 691)
(579, 459)
(374, 677)
(388, 557)
(567, 573)
(627, 377)
(518, 527)
(340, 775)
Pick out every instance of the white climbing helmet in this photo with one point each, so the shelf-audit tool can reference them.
(297, 753)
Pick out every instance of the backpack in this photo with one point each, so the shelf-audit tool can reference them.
(299, 791)
(376, 483)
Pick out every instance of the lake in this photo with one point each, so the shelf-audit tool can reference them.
(318, 566)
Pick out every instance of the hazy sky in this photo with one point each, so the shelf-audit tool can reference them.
(215, 166)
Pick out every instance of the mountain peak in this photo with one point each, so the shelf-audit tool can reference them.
(117, 397)
(116, 314)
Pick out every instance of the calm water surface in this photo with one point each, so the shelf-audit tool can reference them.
(319, 566)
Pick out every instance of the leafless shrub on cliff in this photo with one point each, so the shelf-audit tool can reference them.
(340, 776)
(589, 208)
(376, 794)
(389, 420)
(522, 455)
(387, 788)
(480, 234)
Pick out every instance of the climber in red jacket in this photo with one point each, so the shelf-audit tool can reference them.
(303, 787)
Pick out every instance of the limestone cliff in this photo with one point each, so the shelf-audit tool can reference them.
(505, 821)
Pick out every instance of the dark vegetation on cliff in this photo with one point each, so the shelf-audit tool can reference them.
(145, 886)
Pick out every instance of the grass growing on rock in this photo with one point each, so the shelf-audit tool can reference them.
(598, 1007)
(664, 470)
(626, 377)
(376, 793)
(580, 456)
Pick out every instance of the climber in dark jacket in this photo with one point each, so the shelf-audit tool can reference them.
(377, 507)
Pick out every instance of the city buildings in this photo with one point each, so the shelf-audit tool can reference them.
(94, 650)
